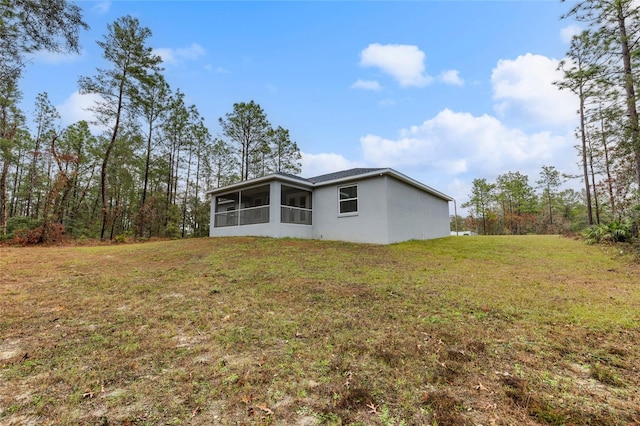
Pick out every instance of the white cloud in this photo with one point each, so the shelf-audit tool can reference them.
(102, 7)
(366, 85)
(76, 108)
(53, 58)
(319, 164)
(451, 77)
(173, 56)
(456, 144)
(567, 33)
(403, 62)
(524, 90)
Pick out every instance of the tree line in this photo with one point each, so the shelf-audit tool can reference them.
(511, 205)
(144, 173)
(602, 67)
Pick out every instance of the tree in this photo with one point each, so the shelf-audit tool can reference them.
(479, 200)
(46, 116)
(79, 158)
(221, 164)
(202, 139)
(615, 25)
(132, 63)
(248, 128)
(517, 199)
(549, 182)
(581, 75)
(11, 119)
(176, 131)
(285, 154)
(153, 102)
(27, 26)
(260, 148)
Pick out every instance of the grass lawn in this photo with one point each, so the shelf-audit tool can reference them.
(249, 331)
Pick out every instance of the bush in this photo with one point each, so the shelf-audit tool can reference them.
(614, 232)
(20, 223)
(26, 236)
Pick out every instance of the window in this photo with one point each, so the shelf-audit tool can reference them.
(348, 199)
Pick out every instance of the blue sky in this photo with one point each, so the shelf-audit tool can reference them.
(442, 91)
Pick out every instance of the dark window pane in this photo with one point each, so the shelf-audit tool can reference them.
(348, 192)
(348, 206)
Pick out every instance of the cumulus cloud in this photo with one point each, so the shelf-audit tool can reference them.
(319, 164)
(403, 62)
(451, 77)
(523, 90)
(366, 85)
(567, 33)
(76, 108)
(456, 144)
(175, 56)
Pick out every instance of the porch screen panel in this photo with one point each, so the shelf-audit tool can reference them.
(226, 213)
(295, 205)
(254, 205)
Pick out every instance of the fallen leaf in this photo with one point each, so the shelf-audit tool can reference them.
(264, 408)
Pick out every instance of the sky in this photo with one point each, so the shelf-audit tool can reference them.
(442, 91)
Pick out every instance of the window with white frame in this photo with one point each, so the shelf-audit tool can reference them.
(348, 199)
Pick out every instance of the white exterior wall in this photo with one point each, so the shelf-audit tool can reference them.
(367, 226)
(414, 214)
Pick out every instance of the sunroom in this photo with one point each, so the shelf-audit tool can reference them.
(254, 206)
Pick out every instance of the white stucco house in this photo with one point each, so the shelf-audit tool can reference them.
(372, 205)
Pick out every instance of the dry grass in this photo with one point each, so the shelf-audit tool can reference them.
(457, 331)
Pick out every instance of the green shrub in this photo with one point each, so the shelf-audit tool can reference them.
(614, 232)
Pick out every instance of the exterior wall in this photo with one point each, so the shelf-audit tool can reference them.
(414, 214)
(367, 226)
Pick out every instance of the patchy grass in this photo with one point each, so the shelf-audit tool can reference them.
(250, 331)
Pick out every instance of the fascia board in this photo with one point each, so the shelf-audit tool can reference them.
(253, 182)
(390, 172)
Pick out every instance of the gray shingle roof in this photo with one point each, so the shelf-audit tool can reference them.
(292, 176)
(342, 174)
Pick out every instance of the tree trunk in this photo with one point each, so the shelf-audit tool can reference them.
(632, 111)
(583, 137)
(105, 161)
(607, 165)
(145, 187)
(3, 196)
(186, 192)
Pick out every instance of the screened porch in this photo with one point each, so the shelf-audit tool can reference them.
(252, 206)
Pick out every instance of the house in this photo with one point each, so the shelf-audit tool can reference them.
(372, 205)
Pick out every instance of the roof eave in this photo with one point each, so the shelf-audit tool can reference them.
(261, 179)
(390, 172)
